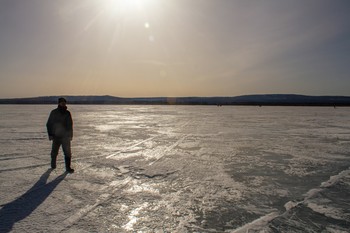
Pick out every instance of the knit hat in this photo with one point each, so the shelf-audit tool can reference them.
(60, 100)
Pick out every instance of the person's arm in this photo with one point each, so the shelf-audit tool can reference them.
(49, 126)
(70, 126)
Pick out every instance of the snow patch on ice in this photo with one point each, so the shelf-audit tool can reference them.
(124, 208)
(257, 224)
(123, 169)
(143, 187)
(329, 183)
(133, 217)
(334, 179)
(291, 204)
(106, 128)
(327, 211)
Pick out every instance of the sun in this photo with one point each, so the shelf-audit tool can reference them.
(118, 6)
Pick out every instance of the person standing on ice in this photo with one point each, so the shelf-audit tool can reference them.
(60, 130)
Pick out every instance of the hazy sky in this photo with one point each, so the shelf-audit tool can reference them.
(141, 48)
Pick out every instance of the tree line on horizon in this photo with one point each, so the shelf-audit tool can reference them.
(258, 100)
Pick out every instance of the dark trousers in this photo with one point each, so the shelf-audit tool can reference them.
(56, 144)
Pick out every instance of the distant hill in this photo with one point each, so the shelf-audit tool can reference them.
(270, 100)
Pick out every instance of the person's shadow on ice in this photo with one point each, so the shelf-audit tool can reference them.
(24, 205)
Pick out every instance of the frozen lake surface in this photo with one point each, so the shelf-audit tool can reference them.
(178, 169)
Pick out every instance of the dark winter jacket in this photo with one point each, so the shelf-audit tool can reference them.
(60, 123)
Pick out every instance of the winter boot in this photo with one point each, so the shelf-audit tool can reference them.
(68, 162)
(53, 162)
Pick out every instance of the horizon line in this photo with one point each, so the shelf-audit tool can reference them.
(189, 96)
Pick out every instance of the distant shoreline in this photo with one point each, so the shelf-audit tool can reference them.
(245, 100)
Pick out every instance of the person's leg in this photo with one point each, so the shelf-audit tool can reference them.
(67, 154)
(54, 152)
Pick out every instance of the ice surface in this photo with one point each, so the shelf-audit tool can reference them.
(178, 169)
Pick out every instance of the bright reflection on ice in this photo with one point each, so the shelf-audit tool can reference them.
(133, 217)
(143, 187)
